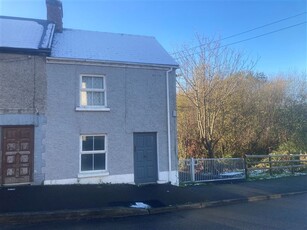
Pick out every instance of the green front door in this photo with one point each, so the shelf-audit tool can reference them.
(145, 158)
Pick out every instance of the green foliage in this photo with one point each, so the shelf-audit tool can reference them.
(287, 148)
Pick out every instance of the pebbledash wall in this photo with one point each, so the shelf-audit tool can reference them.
(136, 97)
(23, 101)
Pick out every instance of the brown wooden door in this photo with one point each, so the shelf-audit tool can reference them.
(17, 157)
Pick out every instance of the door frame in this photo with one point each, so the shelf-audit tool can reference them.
(156, 153)
(31, 160)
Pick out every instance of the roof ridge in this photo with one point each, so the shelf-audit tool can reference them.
(105, 32)
(24, 19)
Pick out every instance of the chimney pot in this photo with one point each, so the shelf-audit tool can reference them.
(55, 14)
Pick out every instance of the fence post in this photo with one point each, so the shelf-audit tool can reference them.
(245, 166)
(192, 169)
(292, 163)
(270, 162)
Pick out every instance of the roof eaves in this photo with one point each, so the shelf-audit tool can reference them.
(25, 50)
(109, 62)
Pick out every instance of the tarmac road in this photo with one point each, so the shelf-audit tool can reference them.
(284, 213)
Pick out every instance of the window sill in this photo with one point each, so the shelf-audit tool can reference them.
(93, 109)
(93, 174)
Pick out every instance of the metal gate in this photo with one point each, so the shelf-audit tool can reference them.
(211, 169)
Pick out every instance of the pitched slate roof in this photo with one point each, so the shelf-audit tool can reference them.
(23, 34)
(35, 35)
(109, 47)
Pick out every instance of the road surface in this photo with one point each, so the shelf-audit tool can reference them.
(285, 213)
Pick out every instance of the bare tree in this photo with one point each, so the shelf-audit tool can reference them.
(208, 77)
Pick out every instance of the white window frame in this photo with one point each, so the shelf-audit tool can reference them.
(104, 90)
(94, 172)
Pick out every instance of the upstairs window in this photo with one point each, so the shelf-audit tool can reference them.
(93, 91)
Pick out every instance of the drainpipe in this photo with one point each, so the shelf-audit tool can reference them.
(168, 126)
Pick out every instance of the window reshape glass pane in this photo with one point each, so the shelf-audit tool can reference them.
(99, 143)
(84, 98)
(89, 96)
(97, 83)
(99, 162)
(86, 162)
(87, 82)
(98, 98)
(87, 143)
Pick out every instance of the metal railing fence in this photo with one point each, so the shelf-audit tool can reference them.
(211, 169)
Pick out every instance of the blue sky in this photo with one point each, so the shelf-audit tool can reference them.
(175, 22)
